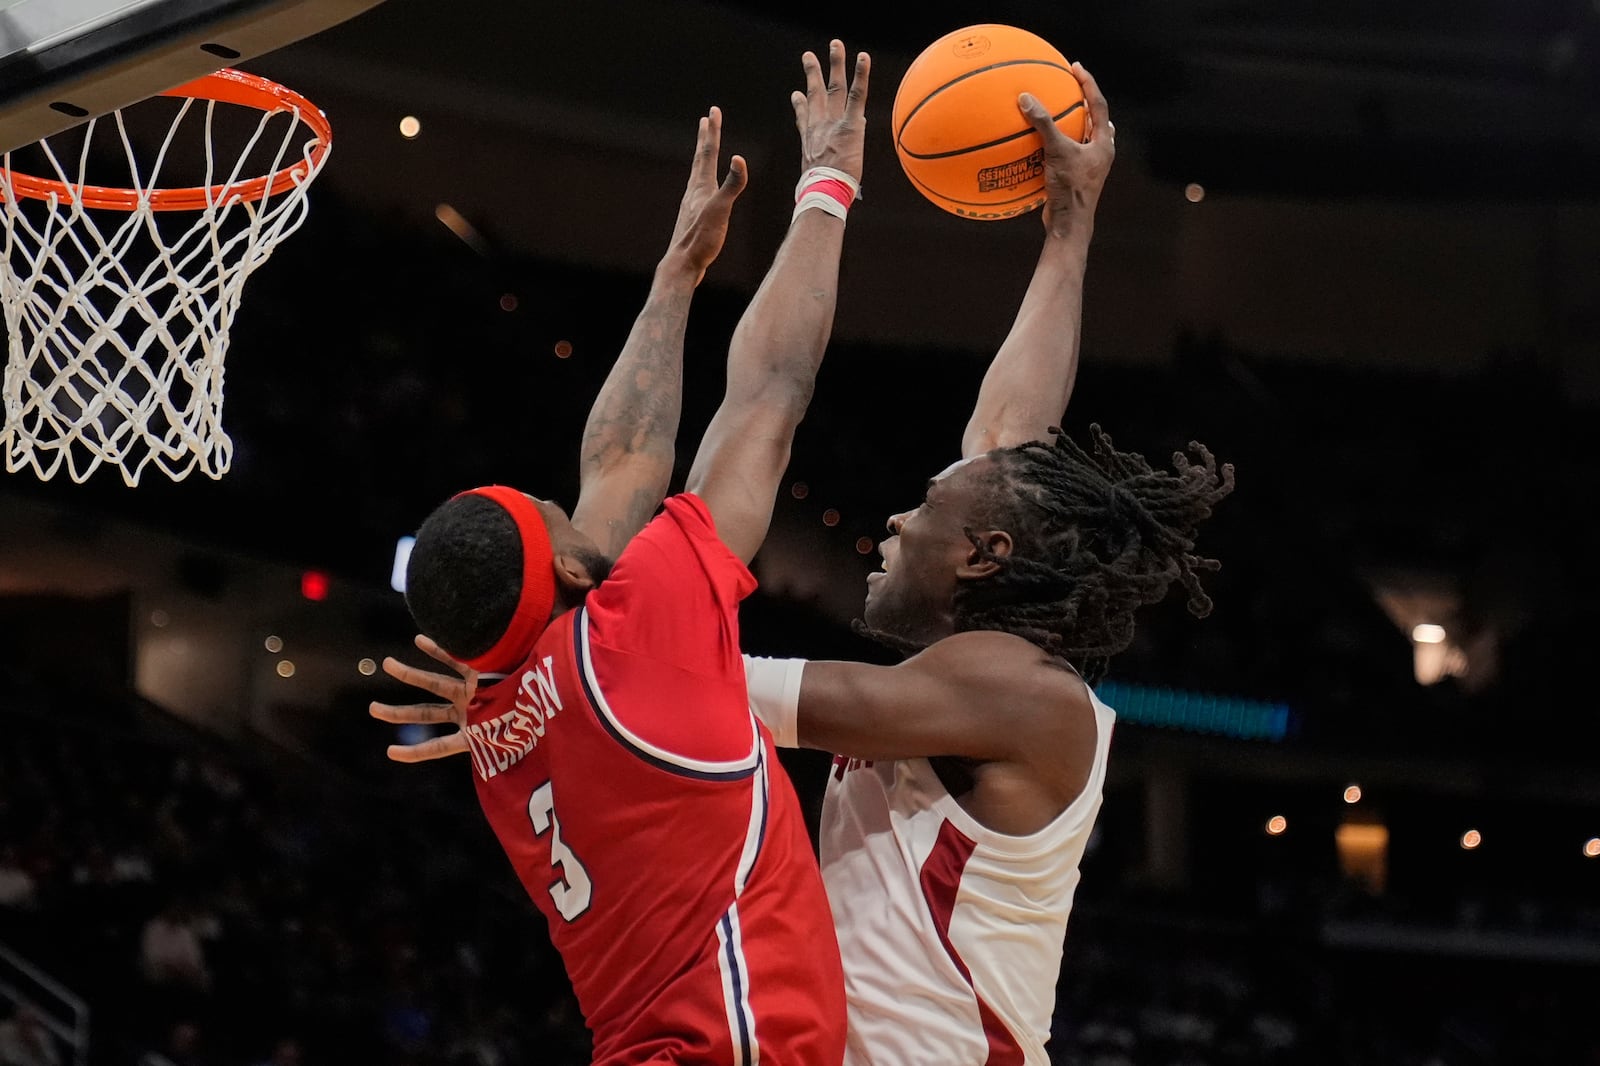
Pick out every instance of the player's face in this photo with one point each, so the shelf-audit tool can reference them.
(912, 595)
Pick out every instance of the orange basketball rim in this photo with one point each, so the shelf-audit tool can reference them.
(226, 86)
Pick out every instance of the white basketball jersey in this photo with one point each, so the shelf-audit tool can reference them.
(952, 934)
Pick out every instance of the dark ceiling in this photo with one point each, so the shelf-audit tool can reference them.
(1424, 98)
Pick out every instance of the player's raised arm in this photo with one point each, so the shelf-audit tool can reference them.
(778, 345)
(627, 454)
(626, 457)
(1026, 388)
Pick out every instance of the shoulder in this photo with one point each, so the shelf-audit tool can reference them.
(688, 510)
(1013, 676)
(1004, 657)
(681, 529)
(683, 521)
(1037, 700)
(681, 513)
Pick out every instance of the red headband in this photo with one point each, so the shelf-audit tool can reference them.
(538, 596)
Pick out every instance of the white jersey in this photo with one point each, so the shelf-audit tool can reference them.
(951, 933)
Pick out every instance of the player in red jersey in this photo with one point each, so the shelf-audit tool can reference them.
(968, 778)
(613, 748)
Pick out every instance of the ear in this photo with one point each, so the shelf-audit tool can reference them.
(572, 574)
(978, 564)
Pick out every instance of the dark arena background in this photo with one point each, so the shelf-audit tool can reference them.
(1352, 819)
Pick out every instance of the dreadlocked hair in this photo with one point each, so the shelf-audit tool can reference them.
(1095, 535)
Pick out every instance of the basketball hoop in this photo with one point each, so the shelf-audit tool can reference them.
(118, 307)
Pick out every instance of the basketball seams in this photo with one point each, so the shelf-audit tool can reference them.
(955, 111)
(987, 144)
(958, 79)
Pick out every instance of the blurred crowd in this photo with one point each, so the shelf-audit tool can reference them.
(223, 905)
(216, 909)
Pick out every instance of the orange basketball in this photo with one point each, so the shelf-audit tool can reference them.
(959, 134)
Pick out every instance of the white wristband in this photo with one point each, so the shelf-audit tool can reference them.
(826, 189)
(822, 202)
(774, 686)
(816, 174)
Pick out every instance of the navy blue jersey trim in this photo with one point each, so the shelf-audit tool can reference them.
(736, 972)
(592, 697)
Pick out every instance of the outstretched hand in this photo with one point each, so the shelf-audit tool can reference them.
(457, 692)
(832, 119)
(1074, 173)
(703, 214)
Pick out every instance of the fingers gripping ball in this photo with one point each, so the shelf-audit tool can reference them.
(959, 134)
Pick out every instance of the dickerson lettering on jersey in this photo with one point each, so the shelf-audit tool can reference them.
(501, 742)
(1009, 175)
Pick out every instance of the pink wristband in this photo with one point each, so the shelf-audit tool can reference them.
(834, 188)
(826, 189)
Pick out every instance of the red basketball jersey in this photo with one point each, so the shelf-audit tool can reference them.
(646, 814)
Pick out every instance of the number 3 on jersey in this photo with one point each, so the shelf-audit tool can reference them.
(571, 889)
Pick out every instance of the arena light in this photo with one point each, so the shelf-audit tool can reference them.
(1434, 658)
(1363, 849)
(457, 223)
(1428, 633)
(314, 585)
(1277, 825)
(1352, 794)
(1197, 712)
(1471, 839)
(402, 555)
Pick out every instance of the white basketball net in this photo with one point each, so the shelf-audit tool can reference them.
(118, 326)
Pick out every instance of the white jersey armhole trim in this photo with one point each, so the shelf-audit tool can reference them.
(1063, 825)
